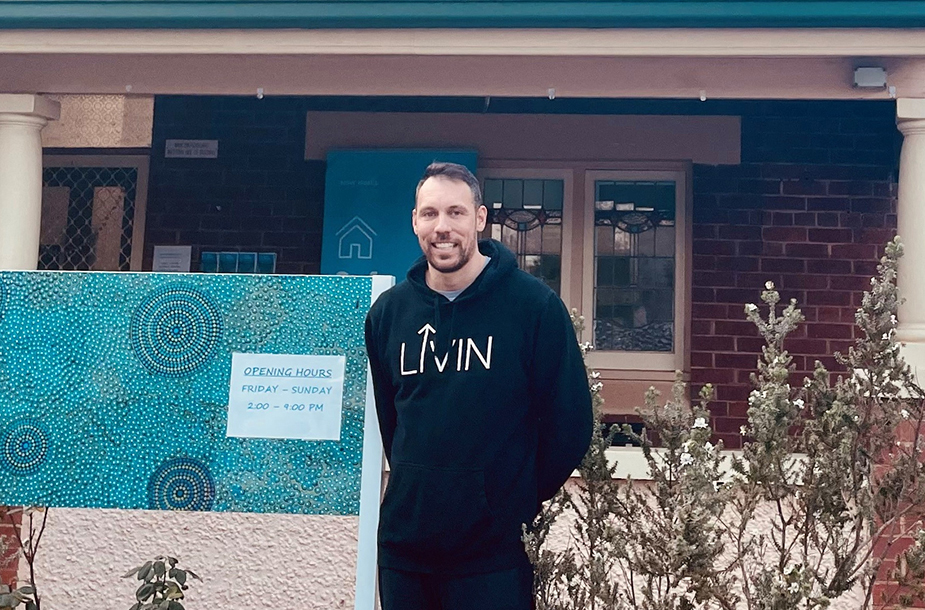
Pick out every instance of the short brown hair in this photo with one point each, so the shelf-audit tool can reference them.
(452, 171)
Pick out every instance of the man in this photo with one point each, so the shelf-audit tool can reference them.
(483, 405)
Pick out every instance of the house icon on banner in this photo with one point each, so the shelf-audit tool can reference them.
(355, 240)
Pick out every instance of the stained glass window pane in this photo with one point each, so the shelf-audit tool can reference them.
(634, 265)
(526, 216)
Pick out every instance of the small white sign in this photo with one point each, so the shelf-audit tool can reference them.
(286, 396)
(172, 258)
(191, 149)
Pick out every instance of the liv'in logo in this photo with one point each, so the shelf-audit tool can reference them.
(355, 240)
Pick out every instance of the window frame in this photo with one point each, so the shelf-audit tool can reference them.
(679, 357)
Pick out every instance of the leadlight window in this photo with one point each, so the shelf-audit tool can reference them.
(526, 216)
(634, 265)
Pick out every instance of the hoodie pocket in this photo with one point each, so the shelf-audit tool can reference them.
(434, 512)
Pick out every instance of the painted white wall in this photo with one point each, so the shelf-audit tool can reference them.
(247, 561)
(284, 562)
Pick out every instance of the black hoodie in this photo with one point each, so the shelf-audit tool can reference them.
(484, 410)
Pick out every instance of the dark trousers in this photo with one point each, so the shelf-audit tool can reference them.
(507, 590)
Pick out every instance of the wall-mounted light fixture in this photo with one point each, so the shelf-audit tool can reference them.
(870, 78)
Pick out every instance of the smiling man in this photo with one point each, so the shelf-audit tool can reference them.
(483, 406)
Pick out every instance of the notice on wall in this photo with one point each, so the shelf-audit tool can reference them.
(172, 259)
(286, 396)
(191, 149)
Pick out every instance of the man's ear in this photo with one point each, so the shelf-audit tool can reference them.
(481, 218)
(414, 219)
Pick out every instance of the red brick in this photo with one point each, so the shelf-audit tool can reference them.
(805, 281)
(850, 282)
(713, 278)
(804, 219)
(826, 203)
(701, 261)
(756, 281)
(702, 359)
(751, 345)
(734, 295)
(701, 327)
(829, 297)
(830, 314)
(708, 311)
(802, 187)
(714, 375)
(807, 250)
(864, 251)
(783, 265)
(784, 234)
(702, 231)
(729, 425)
(712, 344)
(735, 361)
(828, 266)
(831, 236)
(829, 331)
(700, 294)
(828, 219)
(709, 246)
(749, 248)
(735, 328)
(730, 441)
(772, 248)
(738, 263)
(784, 203)
(878, 237)
(855, 187)
(745, 232)
(782, 219)
(865, 268)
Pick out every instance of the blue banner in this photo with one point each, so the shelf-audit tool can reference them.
(369, 195)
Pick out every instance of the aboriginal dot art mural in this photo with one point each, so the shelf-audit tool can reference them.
(114, 390)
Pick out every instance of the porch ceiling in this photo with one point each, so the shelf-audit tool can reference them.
(431, 75)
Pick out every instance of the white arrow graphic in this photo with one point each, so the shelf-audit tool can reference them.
(426, 330)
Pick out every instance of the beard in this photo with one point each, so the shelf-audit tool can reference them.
(451, 265)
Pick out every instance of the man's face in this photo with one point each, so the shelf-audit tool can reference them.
(447, 223)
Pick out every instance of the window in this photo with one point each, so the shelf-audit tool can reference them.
(635, 280)
(618, 255)
(526, 209)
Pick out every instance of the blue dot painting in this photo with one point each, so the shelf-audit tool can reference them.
(114, 390)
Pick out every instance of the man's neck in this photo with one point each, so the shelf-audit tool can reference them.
(458, 280)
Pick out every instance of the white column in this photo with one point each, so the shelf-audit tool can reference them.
(910, 118)
(22, 118)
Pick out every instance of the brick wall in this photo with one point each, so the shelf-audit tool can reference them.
(259, 195)
(9, 548)
(810, 208)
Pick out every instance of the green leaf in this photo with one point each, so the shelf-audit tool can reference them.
(179, 576)
(193, 574)
(132, 573)
(26, 590)
(164, 605)
(172, 561)
(136, 606)
(175, 606)
(30, 605)
(143, 570)
(6, 600)
(144, 592)
(159, 568)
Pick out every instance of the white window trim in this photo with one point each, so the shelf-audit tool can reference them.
(644, 361)
(567, 175)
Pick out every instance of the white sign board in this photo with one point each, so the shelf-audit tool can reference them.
(172, 258)
(191, 149)
(286, 396)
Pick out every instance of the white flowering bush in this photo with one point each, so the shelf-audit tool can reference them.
(829, 485)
